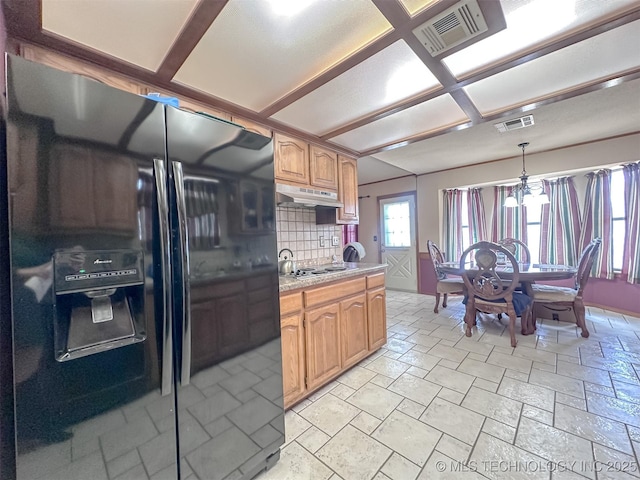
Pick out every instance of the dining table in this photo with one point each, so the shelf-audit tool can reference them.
(528, 274)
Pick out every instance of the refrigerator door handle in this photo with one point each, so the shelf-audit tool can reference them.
(162, 198)
(185, 368)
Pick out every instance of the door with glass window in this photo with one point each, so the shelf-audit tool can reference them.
(398, 242)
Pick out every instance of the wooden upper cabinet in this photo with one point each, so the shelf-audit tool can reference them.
(252, 127)
(291, 159)
(68, 64)
(323, 168)
(348, 190)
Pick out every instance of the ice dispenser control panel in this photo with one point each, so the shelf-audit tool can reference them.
(99, 301)
(78, 270)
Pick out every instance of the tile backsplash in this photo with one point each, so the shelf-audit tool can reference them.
(297, 230)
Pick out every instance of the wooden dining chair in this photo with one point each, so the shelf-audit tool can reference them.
(444, 285)
(518, 248)
(566, 297)
(487, 292)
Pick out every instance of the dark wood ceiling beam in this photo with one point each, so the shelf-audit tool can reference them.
(395, 13)
(327, 76)
(633, 74)
(584, 34)
(201, 19)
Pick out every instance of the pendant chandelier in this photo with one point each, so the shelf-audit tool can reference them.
(527, 194)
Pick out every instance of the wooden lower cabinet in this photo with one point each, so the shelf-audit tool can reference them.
(377, 317)
(328, 329)
(322, 334)
(293, 358)
(353, 330)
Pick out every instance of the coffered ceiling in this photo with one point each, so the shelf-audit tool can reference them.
(352, 75)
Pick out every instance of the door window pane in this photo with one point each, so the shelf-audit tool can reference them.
(397, 224)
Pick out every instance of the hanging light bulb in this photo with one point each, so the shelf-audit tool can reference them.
(528, 197)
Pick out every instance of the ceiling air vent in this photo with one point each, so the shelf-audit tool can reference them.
(514, 124)
(458, 24)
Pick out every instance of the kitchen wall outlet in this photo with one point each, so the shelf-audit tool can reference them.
(321, 240)
(334, 241)
(375, 238)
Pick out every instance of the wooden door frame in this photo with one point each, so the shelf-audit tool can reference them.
(410, 193)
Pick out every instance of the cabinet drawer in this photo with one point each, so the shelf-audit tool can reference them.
(321, 295)
(376, 280)
(290, 303)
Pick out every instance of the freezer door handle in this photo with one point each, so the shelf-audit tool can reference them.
(160, 174)
(185, 367)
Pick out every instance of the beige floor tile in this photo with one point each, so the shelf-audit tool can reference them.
(294, 425)
(354, 455)
(542, 416)
(366, 422)
(593, 427)
(592, 387)
(496, 459)
(448, 353)
(329, 414)
(494, 406)
(388, 367)
(526, 393)
(342, 391)
(535, 354)
(295, 464)
(420, 360)
(459, 422)
(409, 437)
(375, 400)
(553, 444)
(399, 468)
(616, 461)
(524, 377)
(356, 377)
(312, 439)
(417, 372)
(399, 346)
(619, 410)
(454, 448)
(486, 385)
(451, 396)
(411, 408)
(382, 381)
(422, 339)
(556, 382)
(499, 430)
(575, 402)
(522, 365)
(415, 389)
(487, 371)
(581, 372)
(452, 379)
(441, 467)
(627, 391)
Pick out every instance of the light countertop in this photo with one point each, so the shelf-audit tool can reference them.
(353, 269)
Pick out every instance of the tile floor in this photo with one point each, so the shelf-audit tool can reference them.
(433, 404)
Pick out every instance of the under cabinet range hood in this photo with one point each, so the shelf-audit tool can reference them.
(293, 196)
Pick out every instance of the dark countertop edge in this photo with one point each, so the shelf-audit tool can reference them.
(294, 283)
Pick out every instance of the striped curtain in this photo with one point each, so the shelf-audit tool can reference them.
(631, 261)
(452, 224)
(477, 223)
(597, 221)
(507, 222)
(560, 224)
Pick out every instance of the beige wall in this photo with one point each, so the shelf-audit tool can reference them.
(566, 161)
(368, 226)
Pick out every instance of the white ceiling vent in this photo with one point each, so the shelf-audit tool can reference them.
(514, 124)
(458, 24)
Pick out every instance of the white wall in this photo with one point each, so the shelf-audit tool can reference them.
(572, 160)
(368, 226)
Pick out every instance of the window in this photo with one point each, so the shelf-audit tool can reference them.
(466, 234)
(619, 215)
(534, 217)
(397, 225)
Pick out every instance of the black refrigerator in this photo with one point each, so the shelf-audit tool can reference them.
(143, 310)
